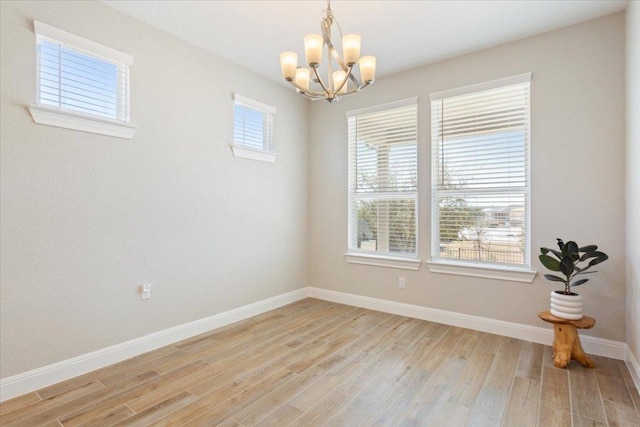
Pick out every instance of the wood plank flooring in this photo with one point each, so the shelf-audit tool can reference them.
(316, 363)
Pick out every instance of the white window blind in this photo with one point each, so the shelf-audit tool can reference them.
(480, 167)
(383, 179)
(252, 123)
(78, 75)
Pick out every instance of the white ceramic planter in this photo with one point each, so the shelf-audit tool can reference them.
(566, 306)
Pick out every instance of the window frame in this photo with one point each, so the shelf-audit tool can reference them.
(77, 120)
(265, 154)
(485, 269)
(355, 255)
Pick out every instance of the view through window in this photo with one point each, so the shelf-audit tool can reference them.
(252, 123)
(480, 173)
(74, 80)
(383, 179)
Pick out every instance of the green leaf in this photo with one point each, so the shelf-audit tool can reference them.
(586, 272)
(554, 278)
(564, 248)
(545, 251)
(588, 248)
(566, 265)
(601, 257)
(549, 262)
(585, 256)
(590, 254)
(579, 282)
(572, 250)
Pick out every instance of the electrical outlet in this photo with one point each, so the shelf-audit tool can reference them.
(145, 291)
(401, 282)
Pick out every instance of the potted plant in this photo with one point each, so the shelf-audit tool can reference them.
(572, 261)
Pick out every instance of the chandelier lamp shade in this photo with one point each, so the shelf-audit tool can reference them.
(341, 80)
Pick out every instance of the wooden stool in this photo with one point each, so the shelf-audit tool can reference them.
(566, 342)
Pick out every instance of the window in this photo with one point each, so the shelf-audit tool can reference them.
(480, 173)
(383, 179)
(252, 129)
(81, 84)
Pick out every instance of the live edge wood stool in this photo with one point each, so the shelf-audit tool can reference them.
(566, 342)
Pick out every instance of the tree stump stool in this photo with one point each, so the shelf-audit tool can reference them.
(566, 342)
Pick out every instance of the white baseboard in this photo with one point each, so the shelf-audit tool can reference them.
(33, 380)
(41, 377)
(634, 368)
(593, 345)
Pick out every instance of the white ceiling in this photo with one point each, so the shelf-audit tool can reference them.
(401, 34)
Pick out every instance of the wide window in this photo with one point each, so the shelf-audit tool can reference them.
(81, 84)
(480, 173)
(252, 129)
(74, 80)
(383, 179)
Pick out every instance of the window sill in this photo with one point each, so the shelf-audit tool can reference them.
(253, 154)
(383, 261)
(64, 119)
(487, 272)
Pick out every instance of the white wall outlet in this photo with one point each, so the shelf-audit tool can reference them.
(145, 291)
(401, 282)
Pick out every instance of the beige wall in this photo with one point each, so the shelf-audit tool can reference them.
(86, 218)
(577, 158)
(633, 178)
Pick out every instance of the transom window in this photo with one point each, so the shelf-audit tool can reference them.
(480, 173)
(252, 123)
(253, 129)
(81, 85)
(81, 76)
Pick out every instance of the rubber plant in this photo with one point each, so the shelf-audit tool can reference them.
(572, 261)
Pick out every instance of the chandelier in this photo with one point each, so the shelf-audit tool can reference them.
(339, 83)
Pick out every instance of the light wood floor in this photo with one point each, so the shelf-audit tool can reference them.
(316, 363)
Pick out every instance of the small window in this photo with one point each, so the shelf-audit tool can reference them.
(78, 81)
(383, 179)
(480, 173)
(252, 129)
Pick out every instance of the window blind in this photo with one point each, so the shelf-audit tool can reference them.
(383, 179)
(252, 123)
(480, 167)
(76, 79)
